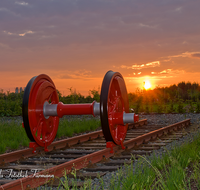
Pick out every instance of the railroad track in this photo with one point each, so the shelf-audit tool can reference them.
(80, 152)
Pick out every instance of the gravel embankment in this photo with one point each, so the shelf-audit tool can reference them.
(154, 119)
(168, 119)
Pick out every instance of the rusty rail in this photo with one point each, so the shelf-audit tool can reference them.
(26, 153)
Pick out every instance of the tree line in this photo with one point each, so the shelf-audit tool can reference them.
(173, 98)
(11, 103)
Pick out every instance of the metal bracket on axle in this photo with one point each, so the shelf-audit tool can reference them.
(34, 145)
(111, 145)
(122, 145)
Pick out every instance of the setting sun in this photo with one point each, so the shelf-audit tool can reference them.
(147, 84)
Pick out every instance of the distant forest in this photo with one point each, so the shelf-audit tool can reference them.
(181, 98)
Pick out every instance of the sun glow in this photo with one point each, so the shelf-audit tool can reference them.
(147, 84)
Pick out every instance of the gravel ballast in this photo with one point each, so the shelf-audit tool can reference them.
(157, 119)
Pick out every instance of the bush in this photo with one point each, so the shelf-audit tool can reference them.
(171, 107)
(180, 107)
(147, 108)
(159, 108)
(198, 107)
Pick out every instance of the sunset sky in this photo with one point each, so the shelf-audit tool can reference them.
(76, 42)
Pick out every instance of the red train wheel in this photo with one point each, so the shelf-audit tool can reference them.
(38, 128)
(113, 102)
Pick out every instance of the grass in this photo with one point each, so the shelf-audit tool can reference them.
(69, 127)
(177, 169)
(169, 171)
(175, 107)
(13, 135)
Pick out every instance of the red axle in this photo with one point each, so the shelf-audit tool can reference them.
(74, 109)
(61, 109)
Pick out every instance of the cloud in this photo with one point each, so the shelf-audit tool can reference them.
(142, 66)
(153, 64)
(27, 32)
(21, 3)
(178, 9)
(195, 55)
(138, 67)
(187, 54)
(79, 74)
(4, 46)
(168, 71)
(47, 36)
(125, 67)
(22, 34)
(7, 13)
(147, 26)
(8, 33)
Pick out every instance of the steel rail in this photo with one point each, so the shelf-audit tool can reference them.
(28, 152)
(58, 171)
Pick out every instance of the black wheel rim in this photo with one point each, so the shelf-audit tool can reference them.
(103, 103)
(25, 109)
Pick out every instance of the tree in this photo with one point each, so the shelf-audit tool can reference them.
(95, 94)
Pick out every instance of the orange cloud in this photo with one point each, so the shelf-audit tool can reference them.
(171, 71)
(187, 54)
(168, 71)
(153, 64)
(195, 55)
(138, 67)
(79, 74)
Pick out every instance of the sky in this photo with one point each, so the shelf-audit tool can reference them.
(76, 42)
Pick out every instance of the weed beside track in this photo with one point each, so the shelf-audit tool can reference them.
(13, 135)
(178, 168)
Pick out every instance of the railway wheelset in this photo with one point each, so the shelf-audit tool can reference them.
(41, 110)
